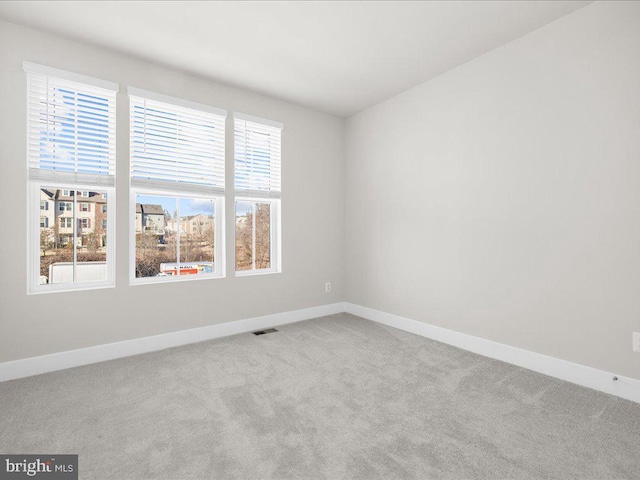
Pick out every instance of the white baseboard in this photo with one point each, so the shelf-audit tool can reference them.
(624, 387)
(84, 356)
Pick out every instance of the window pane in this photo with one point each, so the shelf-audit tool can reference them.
(156, 236)
(197, 236)
(72, 247)
(91, 245)
(263, 235)
(244, 236)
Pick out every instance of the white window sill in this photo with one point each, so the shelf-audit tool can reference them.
(252, 273)
(62, 288)
(172, 279)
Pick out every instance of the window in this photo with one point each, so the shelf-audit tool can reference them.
(44, 222)
(104, 223)
(104, 208)
(85, 207)
(177, 185)
(44, 205)
(71, 154)
(257, 195)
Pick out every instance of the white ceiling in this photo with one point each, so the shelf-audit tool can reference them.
(338, 57)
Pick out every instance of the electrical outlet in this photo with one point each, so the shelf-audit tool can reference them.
(327, 287)
(636, 341)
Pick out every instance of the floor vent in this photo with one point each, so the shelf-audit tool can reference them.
(264, 332)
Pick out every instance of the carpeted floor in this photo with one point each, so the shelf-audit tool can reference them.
(333, 397)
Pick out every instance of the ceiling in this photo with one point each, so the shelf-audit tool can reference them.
(337, 57)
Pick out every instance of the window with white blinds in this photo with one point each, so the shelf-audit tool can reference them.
(178, 179)
(70, 127)
(257, 157)
(71, 162)
(176, 145)
(257, 183)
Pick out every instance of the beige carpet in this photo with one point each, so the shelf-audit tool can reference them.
(333, 397)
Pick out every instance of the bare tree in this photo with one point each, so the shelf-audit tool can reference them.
(263, 235)
(46, 242)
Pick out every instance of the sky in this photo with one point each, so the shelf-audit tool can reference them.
(188, 206)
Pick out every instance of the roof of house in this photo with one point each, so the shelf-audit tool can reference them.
(151, 209)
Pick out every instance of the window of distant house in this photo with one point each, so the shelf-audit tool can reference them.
(177, 185)
(71, 154)
(257, 195)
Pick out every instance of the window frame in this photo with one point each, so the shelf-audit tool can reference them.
(275, 237)
(44, 178)
(172, 190)
(273, 197)
(33, 236)
(219, 240)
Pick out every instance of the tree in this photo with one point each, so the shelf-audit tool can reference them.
(263, 235)
(92, 242)
(244, 241)
(145, 242)
(46, 242)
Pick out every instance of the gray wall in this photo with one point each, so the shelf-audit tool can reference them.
(502, 199)
(312, 213)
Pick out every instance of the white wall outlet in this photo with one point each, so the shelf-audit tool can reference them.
(636, 342)
(327, 287)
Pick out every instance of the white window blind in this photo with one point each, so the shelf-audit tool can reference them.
(70, 128)
(176, 147)
(257, 157)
